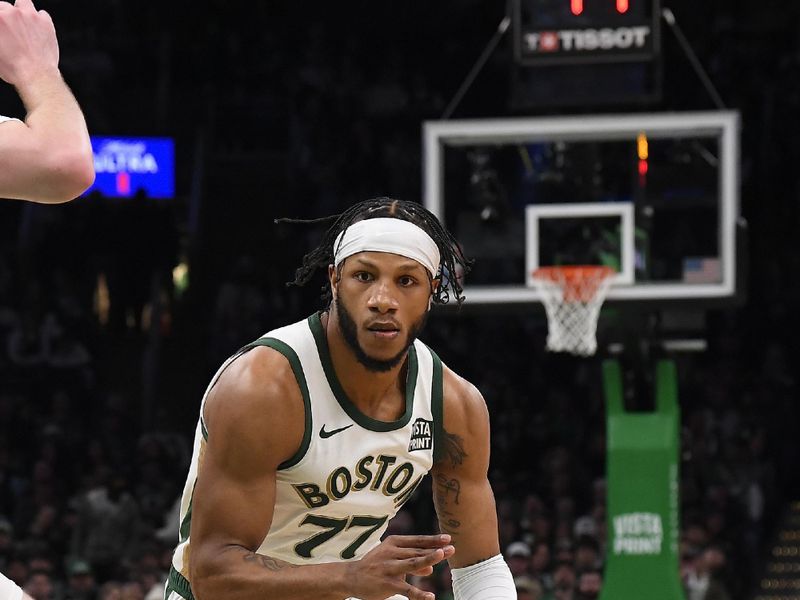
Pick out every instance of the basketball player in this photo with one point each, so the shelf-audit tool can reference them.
(311, 438)
(48, 157)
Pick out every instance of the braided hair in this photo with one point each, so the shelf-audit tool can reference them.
(452, 258)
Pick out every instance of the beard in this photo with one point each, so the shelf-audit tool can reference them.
(350, 333)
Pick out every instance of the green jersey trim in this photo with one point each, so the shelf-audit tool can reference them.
(297, 369)
(437, 406)
(186, 525)
(347, 405)
(178, 583)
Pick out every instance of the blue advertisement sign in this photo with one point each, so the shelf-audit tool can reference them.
(125, 166)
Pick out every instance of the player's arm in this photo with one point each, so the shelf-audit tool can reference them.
(254, 418)
(48, 158)
(463, 496)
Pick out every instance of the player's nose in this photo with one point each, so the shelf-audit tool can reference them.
(381, 298)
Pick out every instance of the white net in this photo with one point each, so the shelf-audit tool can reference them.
(572, 297)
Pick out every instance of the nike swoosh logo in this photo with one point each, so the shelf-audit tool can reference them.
(326, 434)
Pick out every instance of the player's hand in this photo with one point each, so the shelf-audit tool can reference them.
(382, 572)
(28, 44)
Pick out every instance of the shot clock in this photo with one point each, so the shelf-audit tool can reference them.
(562, 32)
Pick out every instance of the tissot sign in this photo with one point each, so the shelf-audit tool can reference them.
(585, 31)
(637, 41)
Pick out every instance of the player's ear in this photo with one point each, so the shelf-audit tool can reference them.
(333, 278)
(434, 286)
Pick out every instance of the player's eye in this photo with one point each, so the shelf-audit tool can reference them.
(406, 281)
(362, 276)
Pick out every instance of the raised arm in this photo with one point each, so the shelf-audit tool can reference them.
(463, 496)
(254, 418)
(48, 158)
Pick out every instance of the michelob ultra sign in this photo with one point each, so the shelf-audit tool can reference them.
(126, 166)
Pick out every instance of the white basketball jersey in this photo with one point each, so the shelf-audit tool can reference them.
(4, 119)
(351, 474)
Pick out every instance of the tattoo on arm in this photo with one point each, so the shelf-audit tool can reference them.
(447, 493)
(273, 564)
(453, 449)
(448, 488)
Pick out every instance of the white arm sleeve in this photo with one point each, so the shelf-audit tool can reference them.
(9, 590)
(488, 580)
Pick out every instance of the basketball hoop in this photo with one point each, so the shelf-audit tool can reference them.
(572, 297)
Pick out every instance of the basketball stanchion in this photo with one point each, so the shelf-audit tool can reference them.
(572, 297)
(643, 498)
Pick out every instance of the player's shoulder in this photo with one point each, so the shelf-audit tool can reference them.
(256, 388)
(254, 413)
(462, 399)
(259, 371)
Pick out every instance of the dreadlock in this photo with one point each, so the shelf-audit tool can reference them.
(323, 255)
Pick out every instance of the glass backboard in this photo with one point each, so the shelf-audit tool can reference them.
(654, 196)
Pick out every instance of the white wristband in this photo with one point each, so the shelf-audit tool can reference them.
(488, 580)
(9, 590)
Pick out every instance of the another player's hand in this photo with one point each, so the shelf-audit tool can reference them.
(382, 572)
(28, 44)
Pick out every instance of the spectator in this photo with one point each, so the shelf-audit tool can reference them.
(540, 564)
(39, 586)
(518, 555)
(589, 585)
(6, 541)
(152, 582)
(699, 575)
(40, 559)
(110, 591)
(528, 588)
(587, 554)
(17, 570)
(131, 590)
(563, 582)
(25, 346)
(80, 581)
(107, 525)
(240, 311)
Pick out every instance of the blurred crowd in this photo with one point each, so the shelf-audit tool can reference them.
(88, 490)
(103, 360)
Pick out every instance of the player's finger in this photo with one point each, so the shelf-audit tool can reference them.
(423, 572)
(413, 593)
(409, 565)
(25, 4)
(419, 541)
(46, 17)
(5, 6)
(404, 553)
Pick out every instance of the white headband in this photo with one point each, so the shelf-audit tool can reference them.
(396, 236)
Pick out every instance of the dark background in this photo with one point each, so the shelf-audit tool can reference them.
(301, 109)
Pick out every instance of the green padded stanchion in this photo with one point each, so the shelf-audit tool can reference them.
(642, 472)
